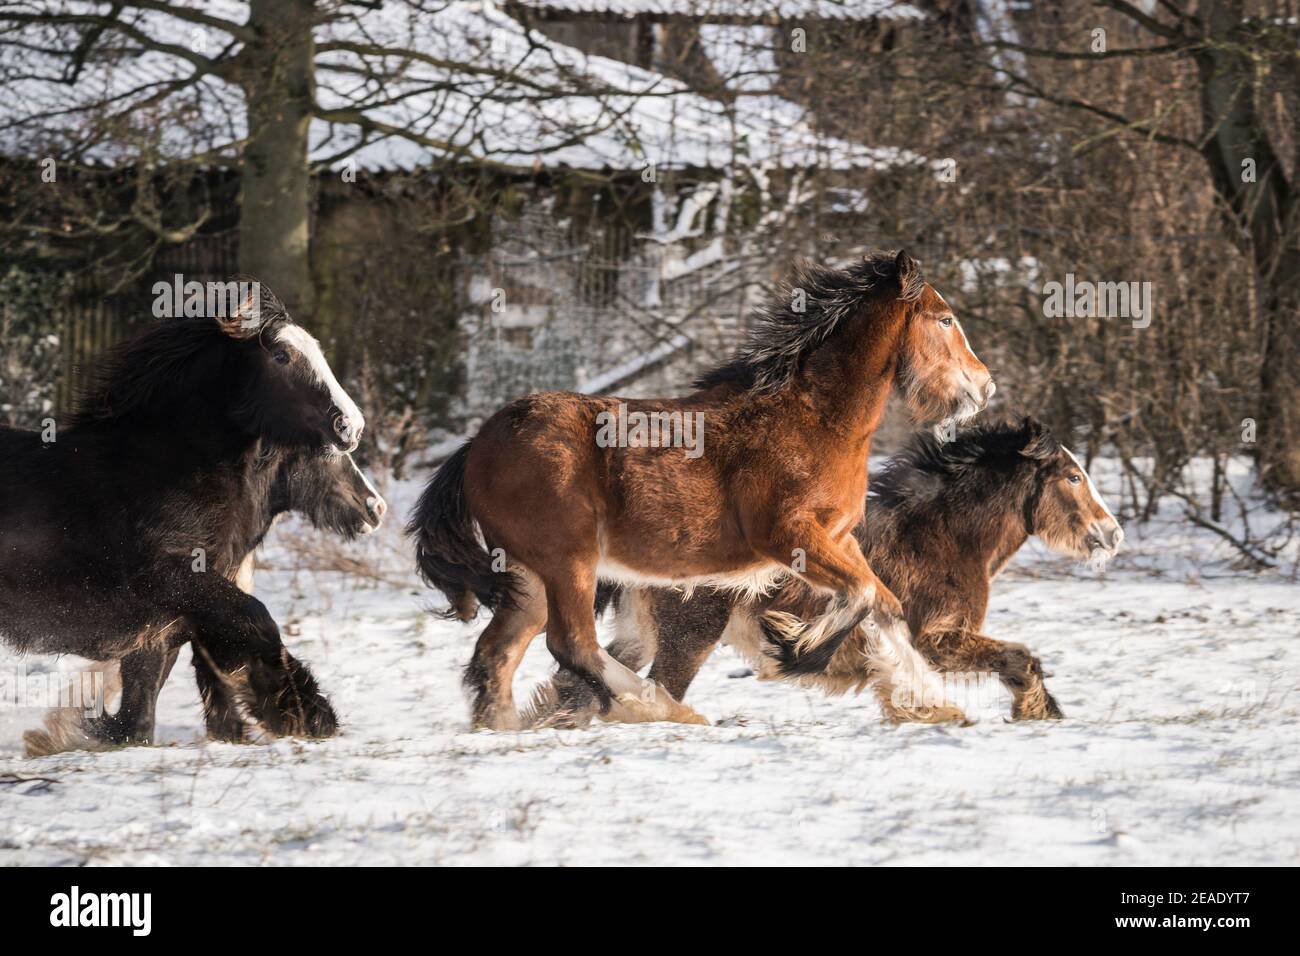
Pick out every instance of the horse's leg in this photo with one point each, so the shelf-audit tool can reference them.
(143, 673)
(240, 641)
(1019, 670)
(909, 688)
(490, 674)
(567, 700)
(221, 712)
(571, 639)
(652, 624)
(687, 632)
(136, 679)
(838, 567)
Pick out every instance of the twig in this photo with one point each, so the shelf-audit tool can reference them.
(1251, 552)
(14, 779)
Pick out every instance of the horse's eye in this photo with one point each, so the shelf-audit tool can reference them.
(282, 356)
(1075, 479)
(946, 321)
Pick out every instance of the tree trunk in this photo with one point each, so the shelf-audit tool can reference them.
(275, 184)
(1279, 382)
(1266, 223)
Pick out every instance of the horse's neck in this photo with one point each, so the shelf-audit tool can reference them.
(850, 381)
(225, 469)
(1005, 549)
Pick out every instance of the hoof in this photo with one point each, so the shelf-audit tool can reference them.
(287, 701)
(654, 706)
(497, 720)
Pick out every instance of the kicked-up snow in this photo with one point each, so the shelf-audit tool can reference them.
(1177, 674)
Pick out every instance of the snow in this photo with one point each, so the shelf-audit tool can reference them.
(476, 85)
(1177, 675)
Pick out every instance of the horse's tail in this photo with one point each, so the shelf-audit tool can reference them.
(449, 550)
(803, 647)
(607, 593)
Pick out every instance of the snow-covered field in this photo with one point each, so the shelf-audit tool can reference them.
(1178, 676)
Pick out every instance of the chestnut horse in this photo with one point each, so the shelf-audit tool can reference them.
(772, 486)
(945, 519)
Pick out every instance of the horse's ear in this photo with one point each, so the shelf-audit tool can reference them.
(909, 273)
(245, 320)
(257, 306)
(1038, 440)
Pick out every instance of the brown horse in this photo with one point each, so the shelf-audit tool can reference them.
(945, 519)
(569, 489)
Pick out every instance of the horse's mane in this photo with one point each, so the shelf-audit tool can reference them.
(928, 465)
(782, 338)
(146, 370)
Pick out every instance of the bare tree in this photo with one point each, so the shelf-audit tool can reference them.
(1223, 78)
(291, 84)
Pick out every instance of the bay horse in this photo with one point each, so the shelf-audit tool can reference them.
(945, 518)
(773, 487)
(110, 527)
(330, 492)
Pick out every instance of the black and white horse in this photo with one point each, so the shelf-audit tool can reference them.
(118, 530)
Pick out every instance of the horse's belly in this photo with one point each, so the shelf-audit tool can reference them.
(750, 581)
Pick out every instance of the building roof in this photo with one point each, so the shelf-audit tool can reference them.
(478, 85)
(738, 10)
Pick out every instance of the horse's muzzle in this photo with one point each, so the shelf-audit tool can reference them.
(348, 432)
(377, 508)
(1105, 535)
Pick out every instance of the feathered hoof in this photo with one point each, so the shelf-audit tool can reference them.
(43, 743)
(288, 703)
(661, 706)
(66, 730)
(1037, 707)
(943, 714)
(498, 718)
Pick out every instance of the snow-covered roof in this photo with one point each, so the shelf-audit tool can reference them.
(739, 9)
(467, 80)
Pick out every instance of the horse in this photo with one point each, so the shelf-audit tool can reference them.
(330, 492)
(111, 525)
(567, 489)
(945, 518)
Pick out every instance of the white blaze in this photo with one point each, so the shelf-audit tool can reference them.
(373, 498)
(1092, 489)
(300, 340)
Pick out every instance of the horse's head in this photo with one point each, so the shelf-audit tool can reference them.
(333, 494)
(942, 379)
(290, 394)
(1064, 507)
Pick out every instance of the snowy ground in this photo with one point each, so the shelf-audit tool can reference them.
(1177, 674)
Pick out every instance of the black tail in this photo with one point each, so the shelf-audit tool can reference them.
(607, 593)
(790, 662)
(448, 551)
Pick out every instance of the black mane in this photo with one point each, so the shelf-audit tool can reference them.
(928, 465)
(782, 338)
(145, 370)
